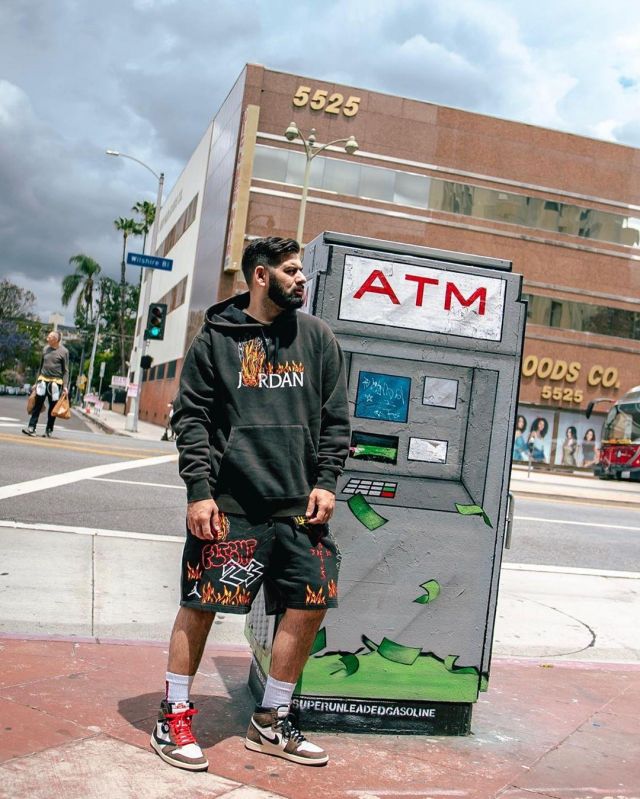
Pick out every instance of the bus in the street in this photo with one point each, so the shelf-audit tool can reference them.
(619, 456)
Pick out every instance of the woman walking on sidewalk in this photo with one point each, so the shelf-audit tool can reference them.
(52, 382)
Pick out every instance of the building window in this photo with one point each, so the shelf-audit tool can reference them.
(174, 235)
(271, 164)
(160, 371)
(583, 317)
(171, 369)
(175, 296)
(152, 373)
(355, 179)
(556, 314)
(411, 189)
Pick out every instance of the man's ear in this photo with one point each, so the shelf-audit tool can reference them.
(260, 275)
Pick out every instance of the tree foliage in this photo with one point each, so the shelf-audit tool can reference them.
(15, 302)
(147, 211)
(128, 227)
(81, 283)
(110, 348)
(19, 328)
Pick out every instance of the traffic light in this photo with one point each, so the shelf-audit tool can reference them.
(156, 319)
(145, 362)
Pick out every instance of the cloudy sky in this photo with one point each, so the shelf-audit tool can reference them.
(146, 76)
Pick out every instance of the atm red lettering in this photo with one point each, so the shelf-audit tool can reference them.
(422, 282)
(384, 287)
(479, 294)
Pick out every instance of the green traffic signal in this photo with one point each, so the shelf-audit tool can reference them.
(156, 319)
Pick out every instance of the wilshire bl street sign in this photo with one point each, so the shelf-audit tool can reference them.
(150, 261)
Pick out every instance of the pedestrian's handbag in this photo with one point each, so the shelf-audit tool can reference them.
(31, 400)
(62, 409)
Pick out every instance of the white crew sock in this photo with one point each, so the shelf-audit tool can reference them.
(178, 687)
(277, 693)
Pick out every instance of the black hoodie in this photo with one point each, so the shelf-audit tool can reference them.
(262, 415)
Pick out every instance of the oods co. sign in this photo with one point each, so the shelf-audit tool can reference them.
(559, 371)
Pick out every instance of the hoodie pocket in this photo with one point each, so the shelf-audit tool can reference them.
(268, 462)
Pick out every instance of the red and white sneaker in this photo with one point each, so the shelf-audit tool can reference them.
(173, 739)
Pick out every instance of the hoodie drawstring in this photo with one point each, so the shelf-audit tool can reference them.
(272, 358)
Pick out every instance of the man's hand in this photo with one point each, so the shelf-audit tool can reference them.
(320, 506)
(203, 519)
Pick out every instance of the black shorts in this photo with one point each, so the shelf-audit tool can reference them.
(297, 562)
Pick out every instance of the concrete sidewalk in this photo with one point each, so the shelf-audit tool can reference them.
(577, 487)
(96, 588)
(75, 714)
(114, 423)
(76, 720)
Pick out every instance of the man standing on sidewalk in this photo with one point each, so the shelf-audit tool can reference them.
(53, 380)
(262, 421)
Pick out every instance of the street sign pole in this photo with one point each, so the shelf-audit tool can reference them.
(103, 366)
(131, 424)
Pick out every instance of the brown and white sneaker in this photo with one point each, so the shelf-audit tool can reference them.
(272, 732)
(173, 739)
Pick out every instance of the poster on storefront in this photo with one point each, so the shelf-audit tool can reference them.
(578, 440)
(532, 441)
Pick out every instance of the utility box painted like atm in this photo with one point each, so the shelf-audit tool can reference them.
(432, 343)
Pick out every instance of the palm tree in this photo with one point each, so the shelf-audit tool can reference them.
(128, 227)
(147, 211)
(81, 282)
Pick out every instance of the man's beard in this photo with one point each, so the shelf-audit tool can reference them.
(277, 295)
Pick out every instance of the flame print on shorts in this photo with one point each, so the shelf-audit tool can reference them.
(252, 361)
(225, 597)
(314, 597)
(194, 572)
(224, 527)
(332, 589)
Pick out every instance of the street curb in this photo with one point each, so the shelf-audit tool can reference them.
(618, 503)
(99, 423)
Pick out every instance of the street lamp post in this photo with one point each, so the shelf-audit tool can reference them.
(311, 150)
(131, 423)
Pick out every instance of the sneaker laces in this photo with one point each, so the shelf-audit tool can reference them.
(289, 731)
(180, 724)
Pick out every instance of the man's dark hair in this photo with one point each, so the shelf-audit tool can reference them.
(271, 251)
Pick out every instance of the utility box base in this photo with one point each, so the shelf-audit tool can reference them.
(333, 714)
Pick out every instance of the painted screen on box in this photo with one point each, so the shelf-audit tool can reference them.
(384, 397)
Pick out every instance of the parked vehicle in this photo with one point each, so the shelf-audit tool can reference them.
(620, 446)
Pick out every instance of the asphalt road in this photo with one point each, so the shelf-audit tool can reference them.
(150, 498)
(577, 535)
(117, 500)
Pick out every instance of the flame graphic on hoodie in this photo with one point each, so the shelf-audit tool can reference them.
(252, 361)
(282, 368)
